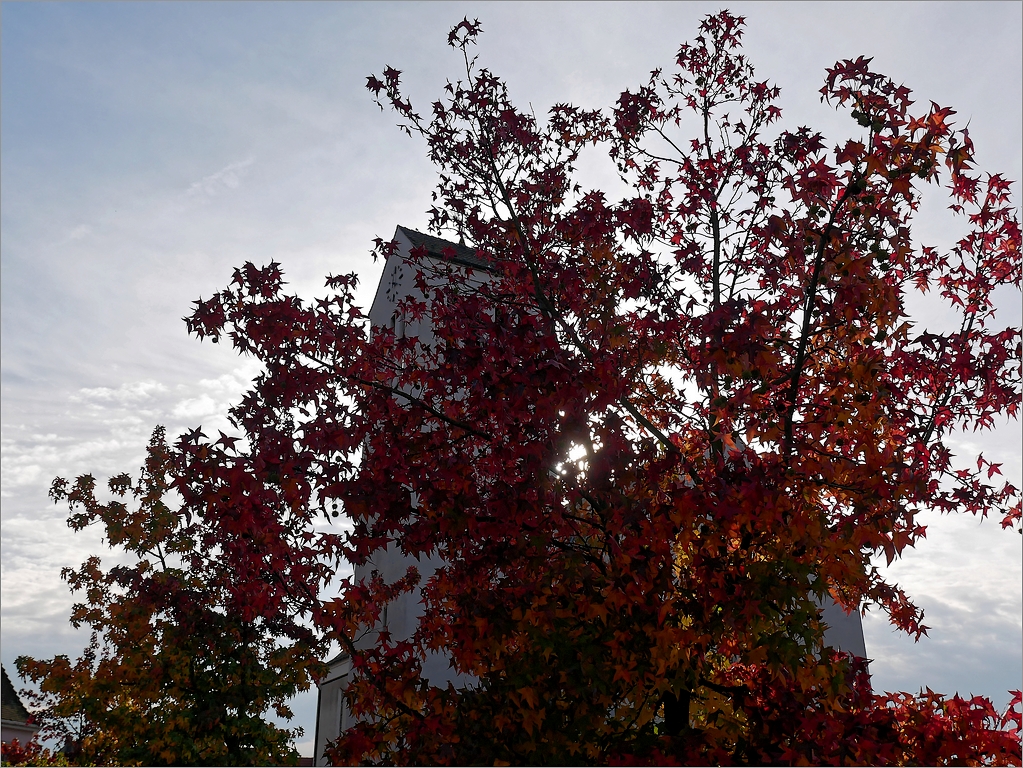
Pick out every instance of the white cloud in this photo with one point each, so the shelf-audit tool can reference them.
(104, 430)
(23, 475)
(122, 395)
(234, 383)
(195, 407)
(228, 177)
(79, 232)
(217, 394)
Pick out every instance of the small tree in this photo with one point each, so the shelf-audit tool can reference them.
(200, 636)
(645, 449)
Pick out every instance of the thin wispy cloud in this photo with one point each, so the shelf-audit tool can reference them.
(226, 178)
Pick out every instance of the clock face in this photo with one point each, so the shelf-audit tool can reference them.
(394, 283)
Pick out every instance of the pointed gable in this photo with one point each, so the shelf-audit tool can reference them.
(12, 707)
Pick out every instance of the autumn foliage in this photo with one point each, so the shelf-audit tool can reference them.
(30, 753)
(200, 633)
(644, 447)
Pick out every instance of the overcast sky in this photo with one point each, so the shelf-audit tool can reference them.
(149, 148)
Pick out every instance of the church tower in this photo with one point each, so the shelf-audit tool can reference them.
(397, 282)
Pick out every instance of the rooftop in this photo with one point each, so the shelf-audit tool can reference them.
(435, 247)
(12, 707)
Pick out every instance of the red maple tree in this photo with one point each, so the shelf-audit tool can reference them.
(648, 443)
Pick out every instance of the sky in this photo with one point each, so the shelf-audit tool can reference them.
(147, 149)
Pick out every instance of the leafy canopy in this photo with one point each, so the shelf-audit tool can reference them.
(206, 631)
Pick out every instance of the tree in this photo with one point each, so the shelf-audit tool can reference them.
(195, 640)
(645, 447)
